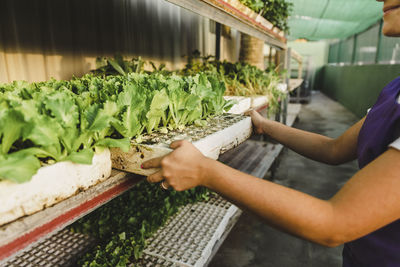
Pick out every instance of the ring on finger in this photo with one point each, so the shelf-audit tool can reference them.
(164, 186)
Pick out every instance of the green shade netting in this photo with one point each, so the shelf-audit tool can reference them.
(331, 19)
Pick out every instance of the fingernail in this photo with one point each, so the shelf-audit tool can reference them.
(141, 166)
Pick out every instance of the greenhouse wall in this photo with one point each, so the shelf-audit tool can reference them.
(315, 56)
(359, 67)
(368, 47)
(357, 87)
(44, 39)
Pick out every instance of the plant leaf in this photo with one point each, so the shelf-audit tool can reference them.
(123, 143)
(18, 167)
(11, 126)
(84, 156)
(116, 66)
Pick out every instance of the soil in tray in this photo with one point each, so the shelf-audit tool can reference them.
(193, 133)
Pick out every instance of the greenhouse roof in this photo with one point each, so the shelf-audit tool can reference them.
(332, 19)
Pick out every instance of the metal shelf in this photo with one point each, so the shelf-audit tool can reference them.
(20, 240)
(61, 249)
(189, 238)
(294, 84)
(225, 13)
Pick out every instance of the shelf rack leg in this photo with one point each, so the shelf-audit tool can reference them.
(217, 41)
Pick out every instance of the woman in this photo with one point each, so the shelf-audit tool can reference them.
(364, 214)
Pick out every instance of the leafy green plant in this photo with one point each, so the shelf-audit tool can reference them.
(240, 79)
(123, 225)
(43, 124)
(275, 11)
(117, 65)
(47, 122)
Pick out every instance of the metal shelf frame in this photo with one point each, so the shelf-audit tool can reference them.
(24, 234)
(224, 13)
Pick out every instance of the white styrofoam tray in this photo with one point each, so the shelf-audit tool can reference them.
(50, 185)
(212, 145)
(258, 101)
(243, 105)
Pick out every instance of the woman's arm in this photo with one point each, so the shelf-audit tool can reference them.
(311, 145)
(368, 201)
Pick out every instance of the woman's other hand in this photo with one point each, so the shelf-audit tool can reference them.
(257, 120)
(182, 169)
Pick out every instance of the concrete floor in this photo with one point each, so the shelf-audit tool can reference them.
(253, 243)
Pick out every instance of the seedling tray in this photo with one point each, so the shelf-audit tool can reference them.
(189, 237)
(243, 104)
(246, 103)
(221, 134)
(258, 101)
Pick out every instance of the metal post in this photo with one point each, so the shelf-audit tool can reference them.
(339, 51)
(288, 59)
(278, 59)
(217, 40)
(270, 56)
(285, 108)
(353, 56)
(278, 114)
(378, 45)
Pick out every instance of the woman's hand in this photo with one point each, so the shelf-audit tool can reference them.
(257, 120)
(182, 169)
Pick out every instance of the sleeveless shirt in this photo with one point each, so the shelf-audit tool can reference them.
(381, 127)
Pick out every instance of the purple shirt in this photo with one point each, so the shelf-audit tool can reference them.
(381, 127)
